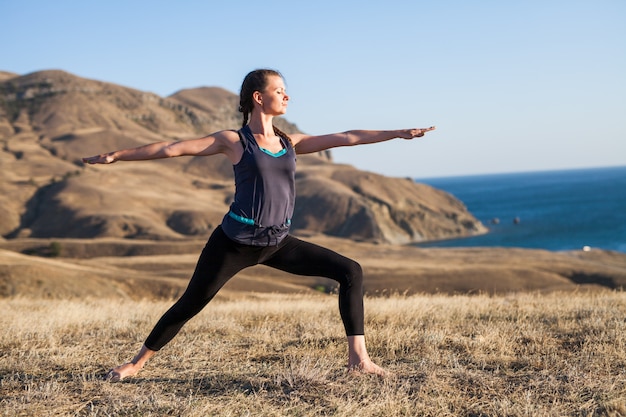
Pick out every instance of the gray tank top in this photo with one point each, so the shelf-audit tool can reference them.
(265, 193)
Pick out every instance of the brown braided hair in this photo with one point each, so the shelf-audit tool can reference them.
(256, 81)
(280, 133)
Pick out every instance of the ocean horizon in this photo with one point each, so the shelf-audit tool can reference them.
(554, 210)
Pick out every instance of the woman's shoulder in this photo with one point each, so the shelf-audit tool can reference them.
(227, 136)
(229, 143)
(227, 133)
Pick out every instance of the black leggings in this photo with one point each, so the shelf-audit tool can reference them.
(222, 258)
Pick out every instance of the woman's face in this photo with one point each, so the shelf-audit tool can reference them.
(274, 98)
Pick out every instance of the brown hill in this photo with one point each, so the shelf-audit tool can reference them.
(96, 219)
(50, 119)
(4, 75)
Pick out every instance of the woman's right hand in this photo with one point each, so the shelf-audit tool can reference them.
(106, 158)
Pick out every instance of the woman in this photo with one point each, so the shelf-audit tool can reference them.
(255, 230)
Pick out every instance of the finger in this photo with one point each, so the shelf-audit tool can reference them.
(91, 160)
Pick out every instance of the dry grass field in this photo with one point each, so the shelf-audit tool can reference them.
(465, 331)
(528, 354)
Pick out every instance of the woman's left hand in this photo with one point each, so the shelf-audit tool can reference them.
(415, 133)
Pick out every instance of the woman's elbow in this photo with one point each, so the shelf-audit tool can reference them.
(171, 150)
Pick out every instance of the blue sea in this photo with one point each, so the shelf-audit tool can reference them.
(556, 210)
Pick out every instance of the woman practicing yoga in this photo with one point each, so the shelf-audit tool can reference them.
(256, 228)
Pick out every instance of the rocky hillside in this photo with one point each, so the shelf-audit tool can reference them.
(50, 119)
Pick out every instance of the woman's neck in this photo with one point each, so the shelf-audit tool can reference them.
(262, 125)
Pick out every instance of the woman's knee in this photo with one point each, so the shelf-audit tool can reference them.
(353, 273)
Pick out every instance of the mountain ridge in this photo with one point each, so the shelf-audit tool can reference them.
(50, 119)
(134, 230)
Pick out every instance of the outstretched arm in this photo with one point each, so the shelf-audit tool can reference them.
(220, 142)
(311, 144)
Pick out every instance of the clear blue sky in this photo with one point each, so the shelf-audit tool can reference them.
(512, 86)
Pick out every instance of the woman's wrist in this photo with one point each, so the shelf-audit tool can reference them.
(112, 157)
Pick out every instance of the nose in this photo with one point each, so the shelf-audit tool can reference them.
(286, 98)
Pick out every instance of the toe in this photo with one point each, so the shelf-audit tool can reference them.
(113, 376)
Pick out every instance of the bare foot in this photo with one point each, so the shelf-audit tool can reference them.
(366, 366)
(122, 371)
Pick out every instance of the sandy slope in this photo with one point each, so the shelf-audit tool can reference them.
(140, 269)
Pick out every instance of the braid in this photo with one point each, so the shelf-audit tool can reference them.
(279, 132)
(245, 109)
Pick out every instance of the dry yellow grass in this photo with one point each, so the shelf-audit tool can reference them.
(284, 355)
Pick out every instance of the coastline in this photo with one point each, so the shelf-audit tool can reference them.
(557, 210)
